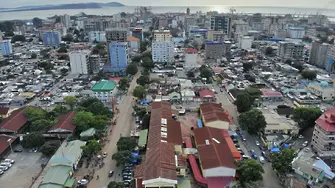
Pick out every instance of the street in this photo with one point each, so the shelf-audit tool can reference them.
(125, 123)
(270, 180)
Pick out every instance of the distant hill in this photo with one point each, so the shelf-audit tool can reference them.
(64, 6)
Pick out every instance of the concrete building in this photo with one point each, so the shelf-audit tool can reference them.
(323, 90)
(296, 32)
(138, 33)
(66, 20)
(118, 57)
(116, 34)
(221, 23)
(290, 50)
(162, 47)
(104, 90)
(133, 43)
(162, 35)
(240, 28)
(245, 42)
(61, 28)
(99, 36)
(330, 59)
(278, 124)
(214, 50)
(1, 35)
(227, 48)
(6, 47)
(215, 36)
(1, 56)
(318, 54)
(191, 55)
(94, 65)
(162, 22)
(213, 115)
(323, 135)
(79, 61)
(51, 38)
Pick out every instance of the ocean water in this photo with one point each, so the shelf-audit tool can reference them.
(25, 15)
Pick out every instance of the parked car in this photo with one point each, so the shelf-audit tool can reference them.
(110, 174)
(104, 155)
(261, 159)
(83, 182)
(3, 168)
(253, 154)
(6, 164)
(305, 143)
(9, 161)
(245, 157)
(257, 143)
(18, 150)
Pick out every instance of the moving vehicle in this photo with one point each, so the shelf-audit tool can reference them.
(104, 155)
(305, 143)
(245, 157)
(110, 174)
(257, 143)
(253, 154)
(261, 159)
(83, 182)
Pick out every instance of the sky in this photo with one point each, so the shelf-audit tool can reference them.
(278, 3)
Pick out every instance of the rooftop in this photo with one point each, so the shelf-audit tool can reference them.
(270, 93)
(327, 120)
(213, 112)
(56, 175)
(64, 123)
(4, 142)
(131, 38)
(213, 148)
(191, 51)
(104, 85)
(14, 122)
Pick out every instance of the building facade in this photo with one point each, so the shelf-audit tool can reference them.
(191, 57)
(138, 33)
(117, 34)
(99, 36)
(330, 59)
(6, 47)
(162, 47)
(66, 20)
(118, 58)
(323, 140)
(79, 61)
(245, 42)
(290, 50)
(51, 38)
(104, 90)
(214, 50)
(318, 54)
(296, 32)
(220, 23)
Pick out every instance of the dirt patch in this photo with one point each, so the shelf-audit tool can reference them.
(187, 121)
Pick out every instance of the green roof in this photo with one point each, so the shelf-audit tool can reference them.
(104, 85)
(69, 153)
(69, 182)
(143, 138)
(88, 133)
(56, 176)
(184, 183)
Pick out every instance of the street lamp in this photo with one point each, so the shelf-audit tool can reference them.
(10, 144)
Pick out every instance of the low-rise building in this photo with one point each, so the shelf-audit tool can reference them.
(296, 32)
(214, 116)
(191, 57)
(245, 42)
(64, 126)
(279, 124)
(104, 90)
(323, 90)
(133, 43)
(271, 95)
(290, 50)
(98, 36)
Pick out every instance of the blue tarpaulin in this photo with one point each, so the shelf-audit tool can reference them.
(199, 123)
(274, 149)
(144, 102)
(134, 156)
(285, 145)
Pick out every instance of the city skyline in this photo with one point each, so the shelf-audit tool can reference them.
(322, 4)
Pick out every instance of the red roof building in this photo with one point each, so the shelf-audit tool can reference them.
(215, 155)
(207, 95)
(213, 115)
(324, 130)
(191, 51)
(269, 94)
(164, 139)
(4, 112)
(14, 122)
(64, 125)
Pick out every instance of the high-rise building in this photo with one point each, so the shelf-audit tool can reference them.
(162, 47)
(6, 47)
(0, 35)
(118, 57)
(79, 61)
(99, 36)
(245, 42)
(331, 59)
(116, 34)
(66, 20)
(188, 11)
(221, 23)
(214, 49)
(51, 38)
(138, 33)
(323, 140)
(290, 50)
(318, 54)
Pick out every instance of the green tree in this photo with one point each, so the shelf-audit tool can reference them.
(282, 161)
(64, 71)
(60, 109)
(99, 122)
(252, 121)
(205, 73)
(83, 120)
(67, 38)
(122, 157)
(190, 74)
(143, 80)
(243, 102)
(146, 121)
(98, 108)
(288, 61)
(306, 117)
(250, 171)
(309, 74)
(114, 184)
(139, 92)
(123, 14)
(254, 92)
(147, 63)
(126, 144)
(143, 47)
(33, 56)
(34, 113)
(40, 125)
(218, 80)
(71, 101)
(136, 58)
(91, 147)
(132, 69)
(62, 50)
(247, 66)
(247, 185)
(123, 84)
(33, 140)
(50, 147)
(76, 32)
(140, 112)
(269, 51)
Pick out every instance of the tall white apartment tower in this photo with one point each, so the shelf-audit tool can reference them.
(162, 47)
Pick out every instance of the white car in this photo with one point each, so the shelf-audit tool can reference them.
(3, 168)
(305, 143)
(83, 182)
(9, 161)
(1, 172)
(257, 143)
(261, 159)
(301, 137)
(6, 164)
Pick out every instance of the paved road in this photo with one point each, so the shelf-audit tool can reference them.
(270, 179)
(123, 127)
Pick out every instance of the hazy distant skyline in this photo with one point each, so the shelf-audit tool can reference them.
(277, 3)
